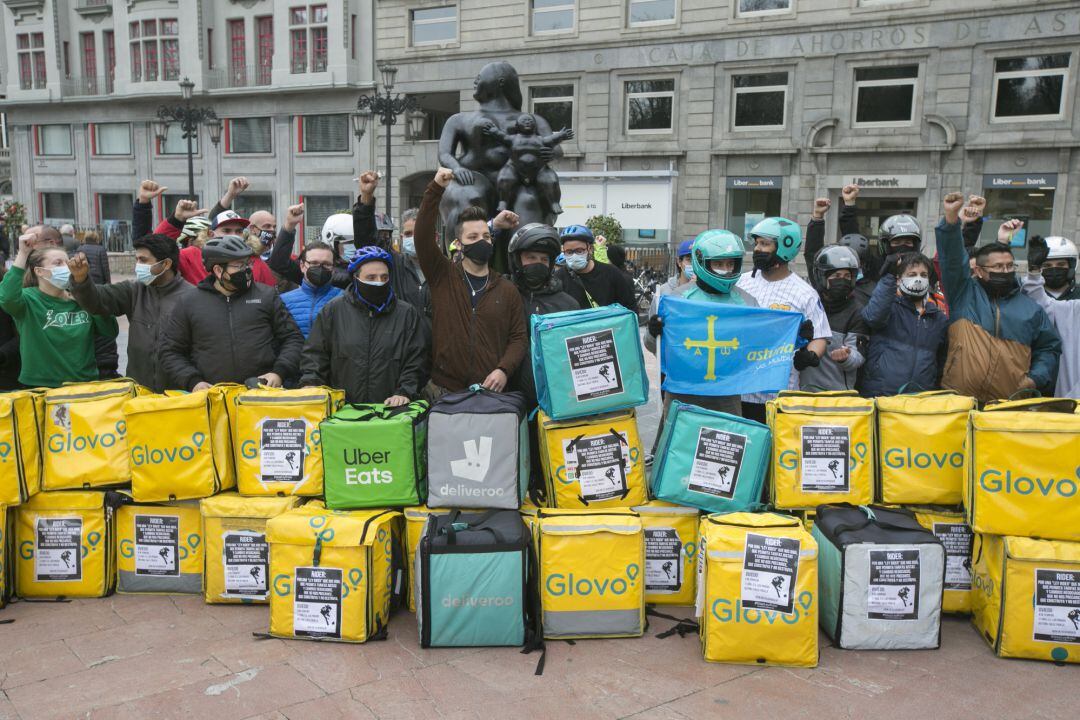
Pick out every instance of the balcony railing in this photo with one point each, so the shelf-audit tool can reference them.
(5, 154)
(94, 7)
(88, 86)
(240, 76)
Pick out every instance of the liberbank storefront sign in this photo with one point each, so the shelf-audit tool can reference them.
(641, 203)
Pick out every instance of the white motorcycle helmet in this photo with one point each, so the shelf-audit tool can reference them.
(1062, 248)
(337, 232)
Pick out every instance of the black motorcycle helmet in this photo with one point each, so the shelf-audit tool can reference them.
(860, 244)
(223, 250)
(895, 228)
(830, 259)
(538, 238)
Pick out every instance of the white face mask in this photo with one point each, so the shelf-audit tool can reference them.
(577, 262)
(408, 245)
(59, 277)
(914, 286)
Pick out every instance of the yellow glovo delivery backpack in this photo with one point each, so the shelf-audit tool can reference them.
(671, 535)
(179, 446)
(823, 449)
(237, 553)
(7, 555)
(757, 590)
(921, 447)
(335, 575)
(85, 435)
(160, 548)
(415, 520)
(954, 533)
(1023, 469)
(20, 448)
(1026, 597)
(277, 443)
(66, 544)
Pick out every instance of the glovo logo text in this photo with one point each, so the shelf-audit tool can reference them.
(5, 451)
(906, 458)
(186, 548)
(249, 449)
(789, 459)
(283, 583)
(558, 584)
(982, 583)
(69, 442)
(725, 611)
(93, 541)
(995, 481)
(146, 455)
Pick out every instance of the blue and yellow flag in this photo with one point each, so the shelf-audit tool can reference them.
(719, 349)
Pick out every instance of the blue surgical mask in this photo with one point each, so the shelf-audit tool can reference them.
(408, 246)
(144, 273)
(60, 278)
(577, 262)
(688, 271)
(347, 250)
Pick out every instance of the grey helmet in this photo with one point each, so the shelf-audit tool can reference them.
(223, 250)
(830, 259)
(896, 227)
(860, 244)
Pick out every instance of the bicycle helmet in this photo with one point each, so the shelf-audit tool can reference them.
(194, 226)
(337, 228)
(577, 232)
(860, 244)
(717, 245)
(223, 250)
(368, 254)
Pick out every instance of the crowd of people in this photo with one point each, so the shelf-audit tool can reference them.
(218, 298)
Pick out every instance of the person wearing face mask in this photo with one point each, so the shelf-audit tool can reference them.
(367, 341)
(56, 336)
(684, 276)
(146, 301)
(231, 329)
(908, 330)
(225, 224)
(478, 323)
(1000, 340)
(776, 242)
(336, 234)
(833, 275)
(1055, 259)
(592, 283)
(1064, 313)
(315, 291)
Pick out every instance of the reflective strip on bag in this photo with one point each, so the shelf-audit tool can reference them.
(592, 622)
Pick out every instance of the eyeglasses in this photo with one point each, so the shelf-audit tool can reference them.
(1000, 267)
(234, 267)
(572, 253)
(327, 265)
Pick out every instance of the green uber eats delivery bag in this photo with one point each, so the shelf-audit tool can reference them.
(375, 456)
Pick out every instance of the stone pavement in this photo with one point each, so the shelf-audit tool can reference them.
(133, 657)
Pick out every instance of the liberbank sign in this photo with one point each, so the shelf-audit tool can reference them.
(636, 202)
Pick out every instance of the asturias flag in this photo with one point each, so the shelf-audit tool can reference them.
(720, 349)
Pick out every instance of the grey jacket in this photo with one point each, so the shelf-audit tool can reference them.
(850, 330)
(147, 308)
(1065, 317)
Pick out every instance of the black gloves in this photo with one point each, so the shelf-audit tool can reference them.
(804, 358)
(655, 325)
(1037, 251)
(891, 264)
(806, 330)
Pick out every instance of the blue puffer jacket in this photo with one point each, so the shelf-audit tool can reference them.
(906, 348)
(305, 302)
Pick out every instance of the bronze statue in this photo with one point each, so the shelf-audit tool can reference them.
(496, 162)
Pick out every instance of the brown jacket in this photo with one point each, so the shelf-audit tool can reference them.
(981, 365)
(467, 343)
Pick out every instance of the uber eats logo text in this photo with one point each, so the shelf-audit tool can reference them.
(370, 474)
(69, 442)
(902, 458)
(996, 481)
(725, 611)
(146, 455)
(558, 584)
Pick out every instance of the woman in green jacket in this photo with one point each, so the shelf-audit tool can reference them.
(56, 336)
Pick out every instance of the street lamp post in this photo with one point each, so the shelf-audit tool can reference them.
(189, 118)
(387, 107)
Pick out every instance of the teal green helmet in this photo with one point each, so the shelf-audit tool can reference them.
(784, 233)
(717, 245)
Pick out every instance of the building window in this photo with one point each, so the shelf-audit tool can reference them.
(237, 53)
(550, 16)
(251, 202)
(31, 50)
(209, 48)
(53, 139)
(885, 95)
(88, 49)
(111, 138)
(433, 26)
(651, 12)
(763, 7)
(649, 105)
(438, 108)
(760, 100)
(264, 28)
(352, 37)
(58, 206)
(3, 132)
(324, 133)
(1030, 88)
(155, 50)
(554, 103)
(110, 58)
(317, 208)
(249, 135)
(114, 206)
(66, 51)
(307, 38)
(176, 144)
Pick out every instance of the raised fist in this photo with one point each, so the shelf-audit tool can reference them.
(443, 176)
(821, 206)
(148, 190)
(293, 216)
(850, 193)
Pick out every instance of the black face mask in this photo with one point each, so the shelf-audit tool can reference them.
(318, 276)
(240, 280)
(765, 260)
(1055, 277)
(838, 292)
(479, 252)
(374, 295)
(999, 284)
(534, 275)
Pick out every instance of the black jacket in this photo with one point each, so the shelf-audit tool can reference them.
(147, 308)
(10, 361)
(215, 338)
(369, 356)
(98, 258)
(550, 299)
(142, 219)
(605, 285)
(405, 277)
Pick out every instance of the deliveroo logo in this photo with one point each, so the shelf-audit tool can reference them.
(558, 584)
(474, 466)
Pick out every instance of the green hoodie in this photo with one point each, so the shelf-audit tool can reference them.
(56, 336)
